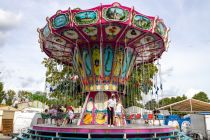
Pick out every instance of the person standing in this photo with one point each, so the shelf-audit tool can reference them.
(118, 113)
(110, 110)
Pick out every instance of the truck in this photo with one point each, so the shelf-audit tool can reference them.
(199, 129)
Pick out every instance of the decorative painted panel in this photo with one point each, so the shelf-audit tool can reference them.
(101, 107)
(160, 28)
(115, 14)
(86, 17)
(96, 59)
(46, 31)
(118, 61)
(108, 58)
(58, 40)
(112, 31)
(91, 32)
(86, 60)
(71, 34)
(142, 22)
(78, 62)
(133, 33)
(127, 59)
(60, 21)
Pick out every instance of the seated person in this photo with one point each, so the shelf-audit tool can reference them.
(155, 113)
(45, 115)
(71, 115)
(53, 114)
(145, 117)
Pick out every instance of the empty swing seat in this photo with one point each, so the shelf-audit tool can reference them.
(145, 116)
(131, 117)
(150, 116)
(138, 116)
(160, 117)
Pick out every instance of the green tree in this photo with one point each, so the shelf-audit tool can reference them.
(152, 104)
(202, 96)
(167, 100)
(65, 90)
(10, 96)
(1, 92)
(24, 94)
(39, 96)
(140, 82)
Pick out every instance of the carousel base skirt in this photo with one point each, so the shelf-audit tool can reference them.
(99, 132)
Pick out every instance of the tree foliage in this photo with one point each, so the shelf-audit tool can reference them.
(151, 105)
(22, 94)
(202, 96)
(1, 92)
(65, 89)
(10, 94)
(171, 100)
(140, 82)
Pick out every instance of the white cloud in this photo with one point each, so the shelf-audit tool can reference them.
(9, 20)
(191, 92)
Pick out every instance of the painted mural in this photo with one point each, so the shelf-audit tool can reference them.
(71, 34)
(118, 61)
(133, 33)
(147, 39)
(112, 31)
(58, 40)
(160, 28)
(46, 31)
(86, 60)
(60, 21)
(78, 61)
(142, 22)
(115, 14)
(108, 57)
(96, 59)
(86, 17)
(101, 105)
(127, 61)
(87, 118)
(91, 32)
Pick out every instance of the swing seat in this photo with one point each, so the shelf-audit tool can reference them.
(150, 116)
(145, 116)
(131, 117)
(138, 116)
(45, 116)
(160, 117)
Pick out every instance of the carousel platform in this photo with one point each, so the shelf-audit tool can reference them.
(98, 132)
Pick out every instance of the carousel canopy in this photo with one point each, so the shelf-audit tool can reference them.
(103, 43)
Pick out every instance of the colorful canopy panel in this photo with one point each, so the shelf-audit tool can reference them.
(103, 43)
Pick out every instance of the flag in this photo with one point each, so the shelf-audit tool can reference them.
(161, 86)
(51, 89)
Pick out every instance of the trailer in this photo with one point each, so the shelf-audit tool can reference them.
(199, 128)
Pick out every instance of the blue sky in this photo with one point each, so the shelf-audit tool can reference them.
(185, 67)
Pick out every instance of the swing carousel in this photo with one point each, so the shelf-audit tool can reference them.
(103, 45)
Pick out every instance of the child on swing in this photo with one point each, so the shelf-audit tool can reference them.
(119, 113)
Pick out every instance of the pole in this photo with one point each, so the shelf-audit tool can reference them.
(191, 105)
